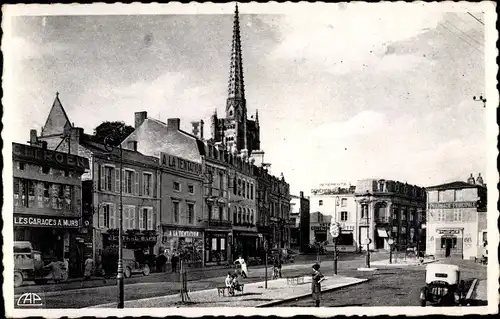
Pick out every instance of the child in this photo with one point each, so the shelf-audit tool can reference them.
(317, 278)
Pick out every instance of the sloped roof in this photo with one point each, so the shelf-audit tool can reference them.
(57, 120)
(454, 185)
(153, 138)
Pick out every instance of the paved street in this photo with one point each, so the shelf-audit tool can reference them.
(386, 287)
(165, 284)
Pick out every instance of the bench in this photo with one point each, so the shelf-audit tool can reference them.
(295, 280)
(230, 291)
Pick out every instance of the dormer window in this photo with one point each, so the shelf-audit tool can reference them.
(230, 112)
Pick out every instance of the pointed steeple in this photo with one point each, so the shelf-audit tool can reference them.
(57, 121)
(257, 117)
(236, 89)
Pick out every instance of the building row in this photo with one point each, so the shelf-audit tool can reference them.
(210, 199)
(447, 220)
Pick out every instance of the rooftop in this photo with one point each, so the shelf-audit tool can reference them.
(454, 185)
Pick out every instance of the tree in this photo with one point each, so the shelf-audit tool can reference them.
(118, 131)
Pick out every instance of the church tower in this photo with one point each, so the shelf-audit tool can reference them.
(236, 130)
(236, 111)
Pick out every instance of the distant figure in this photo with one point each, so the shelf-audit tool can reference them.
(235, 284)
(174, 261)
(244, 270)
(317, 278)
(89, 266)
(229, 282)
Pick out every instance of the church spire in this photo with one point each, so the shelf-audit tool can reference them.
(236, 89)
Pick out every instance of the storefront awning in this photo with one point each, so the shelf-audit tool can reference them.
(382, 233)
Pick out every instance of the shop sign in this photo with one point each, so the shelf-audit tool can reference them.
(322, 226)
(180, 164)
(47, 157)
(134, 238)
(182, 233)
(448, 231)
(452, 205)
(46, 221)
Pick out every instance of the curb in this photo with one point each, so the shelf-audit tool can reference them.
(404, 265)
(471, 289)
(276, 302)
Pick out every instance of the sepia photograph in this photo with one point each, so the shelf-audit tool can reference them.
(278, 158)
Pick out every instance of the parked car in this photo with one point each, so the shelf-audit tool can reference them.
(442, 286)
(28, 265)
(131, 264)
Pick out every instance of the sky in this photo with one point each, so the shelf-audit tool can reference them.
(344, 92)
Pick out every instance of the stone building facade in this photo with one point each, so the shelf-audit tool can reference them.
(101, 187)
(48, 202)
(457, 219)
(338, 201)
(390, 209)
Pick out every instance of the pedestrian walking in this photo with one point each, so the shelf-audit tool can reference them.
(317, 278)
(174, 261)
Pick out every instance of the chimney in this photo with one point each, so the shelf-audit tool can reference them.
(479, 180)
(140, 117)
(470, 180)
(301, 194)
(173, 124)
(201, 129)
(195, 128)
(75, 134)
(33, 138)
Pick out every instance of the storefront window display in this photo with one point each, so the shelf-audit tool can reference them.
(216, 247)
(187, 244)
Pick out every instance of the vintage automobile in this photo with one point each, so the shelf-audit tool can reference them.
(28, 265)
(131, 265)
(442, 286)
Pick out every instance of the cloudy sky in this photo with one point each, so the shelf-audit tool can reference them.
(344, 92)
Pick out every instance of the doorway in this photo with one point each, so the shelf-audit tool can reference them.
(449, 245)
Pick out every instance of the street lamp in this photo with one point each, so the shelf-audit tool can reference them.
(109, 147)
(368, 240)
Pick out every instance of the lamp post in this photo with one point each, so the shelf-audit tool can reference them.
(391, 241)
(119, 277)
(368, 240)
(335, 231)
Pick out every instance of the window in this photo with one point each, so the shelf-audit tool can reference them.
(21, 166)
(145, 219)
(221, 184)
(45, 169)
(223, 244)
(108, 178)
(244, 187)
(191, 189)
(343, 216)
(457, 216)
(251, 191)
(221, 212)
(343, 202)
(459, 196)
(129, 181)
(176, 212)
(147, 189)
(235, 187)
(66, 173)
(320, 202)
(239, 215)
(177, 186)
(239, 187)
(440, 196)
(106, 212)
(214, 243)
(190, 213)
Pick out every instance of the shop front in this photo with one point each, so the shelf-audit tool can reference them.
(449, 242)
(216, 248)
(245, 244)
(187, 243)
(54, 237)
(345, 241)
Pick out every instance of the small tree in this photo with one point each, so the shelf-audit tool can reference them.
(107, 128)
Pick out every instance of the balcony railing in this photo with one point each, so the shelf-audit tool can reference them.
(217, 223)
(382, 219)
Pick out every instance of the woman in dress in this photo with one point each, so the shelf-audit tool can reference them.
(317, 277)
